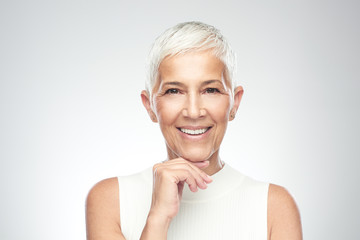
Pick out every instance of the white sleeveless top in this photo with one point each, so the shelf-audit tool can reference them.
(233, 206)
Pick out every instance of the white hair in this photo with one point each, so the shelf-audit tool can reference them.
(190, 37)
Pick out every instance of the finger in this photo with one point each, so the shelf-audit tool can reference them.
(183, 163)
(202, 164)
(206, 177)
(180, 188)
(187, 170)
(185, 176)
(199, 176)
(199, 165)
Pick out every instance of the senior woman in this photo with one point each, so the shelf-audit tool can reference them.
(192, 95)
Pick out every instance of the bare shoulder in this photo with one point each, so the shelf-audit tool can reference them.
(283, 215)
(103, 211)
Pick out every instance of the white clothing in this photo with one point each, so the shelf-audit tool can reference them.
(233, 206)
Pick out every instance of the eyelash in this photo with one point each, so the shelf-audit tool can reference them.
(171, 91)
(212, 90)
(207, 90)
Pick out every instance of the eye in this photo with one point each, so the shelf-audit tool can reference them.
(212, 90)
(172, 91)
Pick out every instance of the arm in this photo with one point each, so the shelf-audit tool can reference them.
(103, 211)
(169, 179)
(103, 208)
(103, 215)
(283, 215)
(156, 228)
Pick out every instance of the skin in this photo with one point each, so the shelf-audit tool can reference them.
(190, 94)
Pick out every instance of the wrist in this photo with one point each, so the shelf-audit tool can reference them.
(156, 219)
(156, 227)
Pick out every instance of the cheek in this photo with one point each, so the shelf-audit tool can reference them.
(219, 108)
(167, 110)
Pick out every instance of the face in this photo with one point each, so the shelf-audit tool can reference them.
(192, 104)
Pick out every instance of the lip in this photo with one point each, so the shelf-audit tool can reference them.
(194, 127)
(194, 137)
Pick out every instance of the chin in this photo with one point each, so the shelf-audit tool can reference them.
(197, 156)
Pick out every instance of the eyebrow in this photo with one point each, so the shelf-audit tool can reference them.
(211, 81)
(202, 84)
(173, 83)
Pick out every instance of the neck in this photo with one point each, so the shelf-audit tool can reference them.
(215, 164)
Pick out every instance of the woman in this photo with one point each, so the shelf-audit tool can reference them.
(192, 95)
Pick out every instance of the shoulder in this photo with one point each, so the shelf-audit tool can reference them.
(102, 209)
(283, 215)
(103, 191)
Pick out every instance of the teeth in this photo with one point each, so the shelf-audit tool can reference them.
(194, 132)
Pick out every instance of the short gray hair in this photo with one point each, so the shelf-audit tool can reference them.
(190, 37)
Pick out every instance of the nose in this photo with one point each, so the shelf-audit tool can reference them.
(193, 107)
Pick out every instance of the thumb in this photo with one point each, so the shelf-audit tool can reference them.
(202, 164)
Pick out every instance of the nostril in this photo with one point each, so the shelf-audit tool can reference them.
(193, 114)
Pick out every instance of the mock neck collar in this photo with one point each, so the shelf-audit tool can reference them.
(223, 181)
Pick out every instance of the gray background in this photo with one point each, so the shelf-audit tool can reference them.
(71, 115)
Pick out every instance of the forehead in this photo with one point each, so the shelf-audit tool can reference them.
(192, 66)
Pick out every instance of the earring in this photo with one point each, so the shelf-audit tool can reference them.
(232, 115)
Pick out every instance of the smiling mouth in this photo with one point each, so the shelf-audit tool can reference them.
(194, 131)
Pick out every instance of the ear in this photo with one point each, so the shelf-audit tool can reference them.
(145, 98)
(238, 93)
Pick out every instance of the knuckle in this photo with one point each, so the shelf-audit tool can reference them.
(188, 172)
(155, 166)
(157, 169)
(191, 179)
(164, 172)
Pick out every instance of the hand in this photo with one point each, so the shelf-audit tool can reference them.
(169, 180)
